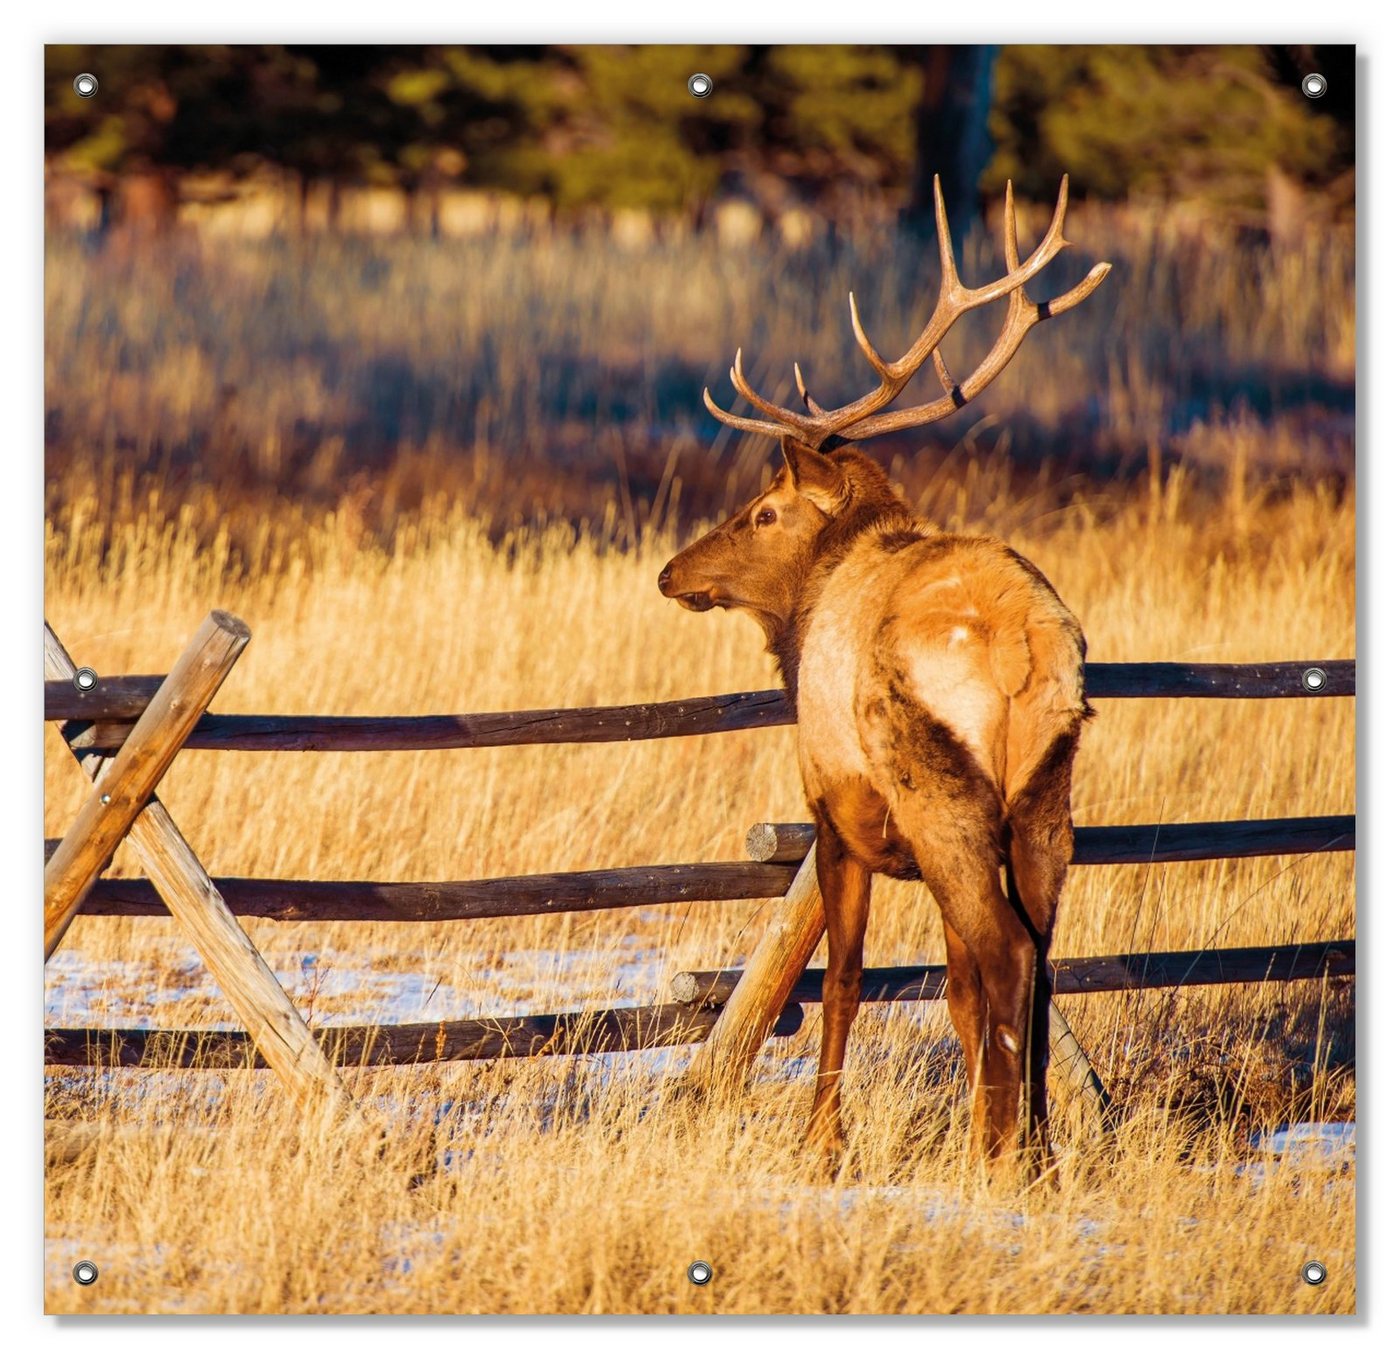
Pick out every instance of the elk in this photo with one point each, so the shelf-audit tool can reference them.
(938, 681)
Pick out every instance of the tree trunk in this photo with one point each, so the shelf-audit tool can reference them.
(952, 137)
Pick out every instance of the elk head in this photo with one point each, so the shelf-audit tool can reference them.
(759, 559)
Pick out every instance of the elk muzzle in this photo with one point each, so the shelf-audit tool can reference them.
(673, 584)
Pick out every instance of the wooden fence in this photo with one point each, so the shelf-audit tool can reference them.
(125, 731)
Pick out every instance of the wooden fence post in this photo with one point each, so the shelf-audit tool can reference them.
(272, 1021)
(789, 940)
(125, 782)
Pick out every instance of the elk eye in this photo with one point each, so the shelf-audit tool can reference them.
(765, 517)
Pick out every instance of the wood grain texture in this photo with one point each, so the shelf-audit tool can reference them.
(1170, 679)
(1070, 976)
(273, 1022)
(1185, 841)
(459, 1040)
(779, 842)
(650, 1026)
(790, 936)
(533, 894)
(108, 710)
(123, 786)
(121, 698)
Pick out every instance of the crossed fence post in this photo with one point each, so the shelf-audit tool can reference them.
(123, 805)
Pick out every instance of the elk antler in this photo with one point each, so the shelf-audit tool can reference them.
(859, 419)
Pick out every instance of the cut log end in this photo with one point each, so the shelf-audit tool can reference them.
(779, 842)
(760, 843)
(231, 624)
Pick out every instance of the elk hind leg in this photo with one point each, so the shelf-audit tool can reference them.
(991, 961)
(954, 818)
(1041, 845)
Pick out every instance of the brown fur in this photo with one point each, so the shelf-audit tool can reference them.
(938, 681)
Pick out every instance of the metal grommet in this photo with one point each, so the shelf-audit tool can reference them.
(1314, 1272)
(85, 1272)
(700, 84)
(1314, 85)
(700, 1272)
(85, 680)
(85, 85)
(1314, 679)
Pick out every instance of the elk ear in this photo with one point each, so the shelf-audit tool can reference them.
(814, 476)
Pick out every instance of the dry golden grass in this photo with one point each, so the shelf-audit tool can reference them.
(578, 1184)
(542, 372)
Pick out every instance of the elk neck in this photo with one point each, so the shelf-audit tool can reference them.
(872, 509)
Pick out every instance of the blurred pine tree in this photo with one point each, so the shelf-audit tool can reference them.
(1215, 126)
(847, 130)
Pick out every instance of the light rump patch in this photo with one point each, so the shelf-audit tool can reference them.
(953, 681)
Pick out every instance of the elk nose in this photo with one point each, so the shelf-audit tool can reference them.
(664, 579)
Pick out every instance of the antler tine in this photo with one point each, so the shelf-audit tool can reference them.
(743, 422)
(807, 398)
(1018, 295)
(949, 284)
(1021, 317)
(1050, 245)
(866, 348)
(1074, 296)
(794, 422)
(1017, 302)
(1008, 231)
(954, 299)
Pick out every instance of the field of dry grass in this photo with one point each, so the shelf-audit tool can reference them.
(442, 477)
(580, 1184)
(539, 374)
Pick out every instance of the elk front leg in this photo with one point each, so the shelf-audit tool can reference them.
(845, 887)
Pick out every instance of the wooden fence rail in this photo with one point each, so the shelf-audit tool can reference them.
(1069, 976)
(732, 1012)
(484, 899)
(624, 1029)
(1172, 842)
(107, 711)
(598, 889)
(629, 1028)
